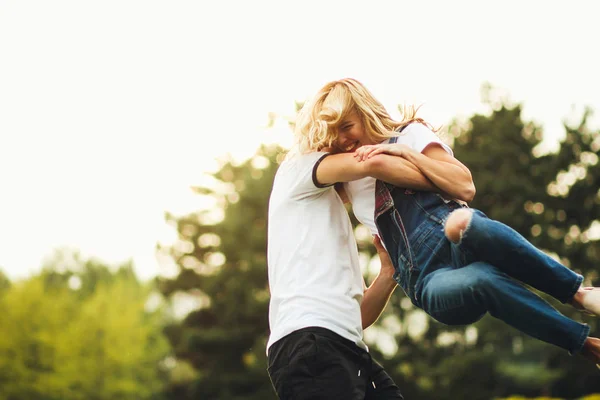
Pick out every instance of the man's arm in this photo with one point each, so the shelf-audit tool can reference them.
(439, 166)
(378, 294)
(395, 170)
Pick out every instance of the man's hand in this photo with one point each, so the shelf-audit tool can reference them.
(377, 295)
(387, 268)
(339, 188)
(396, 149)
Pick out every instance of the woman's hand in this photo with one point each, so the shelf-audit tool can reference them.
(365, 152)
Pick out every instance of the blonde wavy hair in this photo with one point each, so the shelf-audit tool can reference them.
(318, 121)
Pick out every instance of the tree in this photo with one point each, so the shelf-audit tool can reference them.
(549, 198)
(64, 338)
(552, 200)
(4, 282)
(223, 264)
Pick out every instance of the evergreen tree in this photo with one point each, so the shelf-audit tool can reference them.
(551, 199)
(533, 195)
(224, 264)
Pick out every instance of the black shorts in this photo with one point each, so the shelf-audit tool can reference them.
(315, 363)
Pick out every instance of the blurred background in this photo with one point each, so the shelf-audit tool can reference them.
(139, 140)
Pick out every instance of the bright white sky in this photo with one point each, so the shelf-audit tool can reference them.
(110, 110)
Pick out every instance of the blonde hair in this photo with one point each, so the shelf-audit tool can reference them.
(319, 119)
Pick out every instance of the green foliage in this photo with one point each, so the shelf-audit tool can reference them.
(4, 282)
(555, 211)
(551, 199)
(70, 336)
(224, 263)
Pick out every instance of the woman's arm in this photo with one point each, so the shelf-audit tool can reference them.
(440, 167)
(444, 171)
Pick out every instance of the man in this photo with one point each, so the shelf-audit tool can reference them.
(319, 305)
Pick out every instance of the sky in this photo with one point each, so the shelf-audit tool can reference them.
(111, 110)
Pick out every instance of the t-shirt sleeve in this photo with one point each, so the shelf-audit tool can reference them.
(301, 175)
(423, 136)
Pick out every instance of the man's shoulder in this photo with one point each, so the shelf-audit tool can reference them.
(300, 164)
(297, 174)
(300, 159)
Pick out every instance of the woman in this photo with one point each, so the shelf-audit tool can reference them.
(452, 261)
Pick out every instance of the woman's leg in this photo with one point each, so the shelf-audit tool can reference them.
(500, 245)
(460, 296)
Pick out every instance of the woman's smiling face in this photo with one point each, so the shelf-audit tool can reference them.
(351, 134)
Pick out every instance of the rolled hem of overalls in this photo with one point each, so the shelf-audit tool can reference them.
(585, 332)
(574, 289)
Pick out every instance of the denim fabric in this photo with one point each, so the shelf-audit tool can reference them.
(458, 283)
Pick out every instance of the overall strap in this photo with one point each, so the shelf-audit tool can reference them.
(394, 139)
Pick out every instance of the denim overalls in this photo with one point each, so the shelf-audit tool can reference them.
(458, 283)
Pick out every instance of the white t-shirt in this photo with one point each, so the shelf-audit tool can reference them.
(362, 191)
(314, 272)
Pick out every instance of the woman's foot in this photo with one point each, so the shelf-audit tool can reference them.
(587, 299)
(591, 350)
